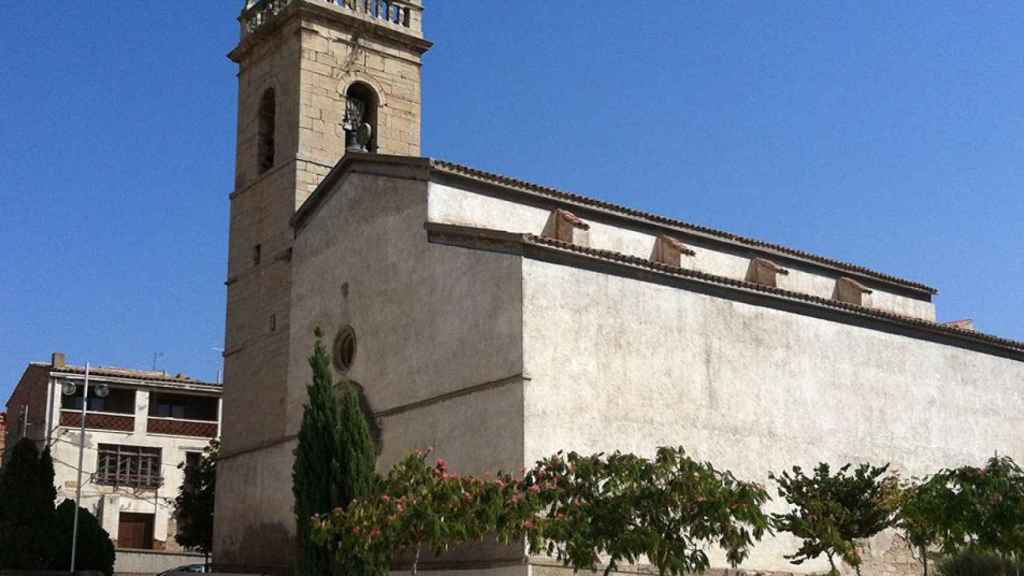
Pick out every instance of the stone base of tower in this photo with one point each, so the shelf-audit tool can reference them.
(254, 520)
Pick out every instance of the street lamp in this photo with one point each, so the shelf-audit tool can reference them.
(69, 388)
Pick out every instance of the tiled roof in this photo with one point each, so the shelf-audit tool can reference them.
(635, 261)
(480, 175)
(114, 372)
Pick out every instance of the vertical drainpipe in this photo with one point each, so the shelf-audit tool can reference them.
(48, 416)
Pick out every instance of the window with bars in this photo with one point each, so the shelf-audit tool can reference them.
(132, 466)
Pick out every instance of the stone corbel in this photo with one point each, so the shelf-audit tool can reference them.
(850, 291)
(670, 251)
(565, 226)
(765, 272)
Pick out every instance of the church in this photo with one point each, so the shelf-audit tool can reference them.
(499, 321)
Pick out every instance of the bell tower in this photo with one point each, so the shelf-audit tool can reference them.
(317, 78)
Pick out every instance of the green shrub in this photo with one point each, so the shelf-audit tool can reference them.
(26, 509)
(95, 550)
(978, 564)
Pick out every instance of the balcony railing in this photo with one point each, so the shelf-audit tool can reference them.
(260, 12)
(179, 427)
(98, 420)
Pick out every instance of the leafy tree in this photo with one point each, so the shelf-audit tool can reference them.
(669, 509)
(27, 496)
(831, 512)
(422, 507)
(578, 508)
(985, 511)
(94, 549)
(969, 563)
(194, 503)
(923, 517)
(334, 461)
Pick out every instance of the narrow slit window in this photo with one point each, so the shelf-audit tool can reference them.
(267, 121)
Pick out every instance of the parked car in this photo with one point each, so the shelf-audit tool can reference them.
(186, 569)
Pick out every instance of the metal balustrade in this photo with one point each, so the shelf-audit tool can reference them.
(259, 12)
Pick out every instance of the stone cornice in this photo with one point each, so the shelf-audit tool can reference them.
(405, 38)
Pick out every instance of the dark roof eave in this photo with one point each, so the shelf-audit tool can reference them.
(348, 164)
(140, 378)
(351, 159)
(473, 174)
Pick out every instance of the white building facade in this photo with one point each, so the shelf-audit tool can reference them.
(143, 430)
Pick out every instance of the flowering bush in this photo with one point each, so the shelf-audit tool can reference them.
(579, 509)
(422, 506)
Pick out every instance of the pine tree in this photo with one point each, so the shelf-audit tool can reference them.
(334, 461)
(27, 516)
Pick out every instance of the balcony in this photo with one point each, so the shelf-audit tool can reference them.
(98, 421)
(180, 427)
(392, 12)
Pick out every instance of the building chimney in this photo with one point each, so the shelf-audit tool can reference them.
(57, 360)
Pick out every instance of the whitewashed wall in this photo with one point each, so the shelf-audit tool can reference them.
(621, 364)
(450, 205)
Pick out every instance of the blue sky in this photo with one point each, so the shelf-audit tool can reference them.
(890, 135)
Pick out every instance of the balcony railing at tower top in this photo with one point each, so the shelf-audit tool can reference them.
(399, 13)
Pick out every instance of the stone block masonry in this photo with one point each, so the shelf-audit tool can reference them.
(303, 56)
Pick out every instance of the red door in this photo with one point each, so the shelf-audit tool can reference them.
(135, 531)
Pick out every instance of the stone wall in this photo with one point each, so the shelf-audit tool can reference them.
(438, 329)
(619, 363)
(308, 54)
(142, 562)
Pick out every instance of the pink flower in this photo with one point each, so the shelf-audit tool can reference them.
(535, 489)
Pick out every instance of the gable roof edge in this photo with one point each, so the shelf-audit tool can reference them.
(651, 219)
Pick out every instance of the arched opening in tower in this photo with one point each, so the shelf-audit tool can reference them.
(361, 118)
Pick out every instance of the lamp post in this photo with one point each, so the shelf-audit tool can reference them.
(68, 389)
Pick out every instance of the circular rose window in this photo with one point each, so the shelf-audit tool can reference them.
(345, 349)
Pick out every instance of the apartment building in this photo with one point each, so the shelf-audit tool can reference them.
(143, 429)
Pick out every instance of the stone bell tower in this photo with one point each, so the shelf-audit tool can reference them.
(316, 78)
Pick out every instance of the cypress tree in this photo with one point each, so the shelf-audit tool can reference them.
(334, 461)
(27, 516)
